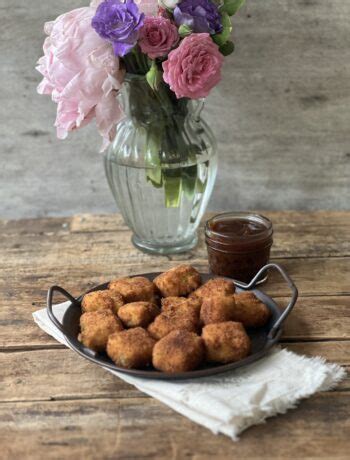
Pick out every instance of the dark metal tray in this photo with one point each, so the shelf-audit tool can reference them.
(262, 339)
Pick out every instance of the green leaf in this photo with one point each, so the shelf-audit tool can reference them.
(189, 178)
(222, 37)
(227, 48)
(172, 187)
(184, 30)
(154, 175)
(154, 76)
(152, 160)
(232, 6)
(201, 186)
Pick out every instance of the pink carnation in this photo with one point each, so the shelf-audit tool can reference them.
(157, 36)
(193, 68)
(81, 73)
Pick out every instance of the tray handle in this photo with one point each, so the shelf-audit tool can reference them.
(275, 328)
(72, 341)
(49, 309)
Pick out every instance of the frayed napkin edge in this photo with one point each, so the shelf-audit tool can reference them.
(334, 375)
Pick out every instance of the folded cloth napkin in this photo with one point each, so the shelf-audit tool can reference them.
(229, 403)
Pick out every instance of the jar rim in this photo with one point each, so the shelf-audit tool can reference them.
(266, 231)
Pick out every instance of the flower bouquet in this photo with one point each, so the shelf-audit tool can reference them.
(141, 70)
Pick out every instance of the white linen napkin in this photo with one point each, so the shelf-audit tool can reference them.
(229, 403)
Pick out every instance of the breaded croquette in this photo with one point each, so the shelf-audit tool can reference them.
(138, 314)
(131, 348)
(217, 309)
(173, 301)
(194, 303)
(250, 311)
(96, 327)
(172, 318)
(179, 351)
(102, 300)
(174, 322)
(134, 289)
(226, 342)
(179, 281)
(214, 287)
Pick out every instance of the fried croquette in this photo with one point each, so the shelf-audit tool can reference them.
(250, 311)
(194, 303)
(179, 281)
(134, 289)
(162, 320)
(96, 327)
(172, 318)
(226, 342)
(102, 300)
(179, 351)
(214, 287)
(217, 309)
(131, 348)
(138, 314)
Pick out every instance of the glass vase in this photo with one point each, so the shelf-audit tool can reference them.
(161, 167)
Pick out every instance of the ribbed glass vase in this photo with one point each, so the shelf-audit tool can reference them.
(161, 166)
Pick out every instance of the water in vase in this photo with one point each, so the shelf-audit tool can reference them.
(163, 205)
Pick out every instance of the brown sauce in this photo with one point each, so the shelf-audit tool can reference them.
(237, 227)
(238, 244)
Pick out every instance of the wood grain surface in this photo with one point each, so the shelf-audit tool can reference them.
(56, 405)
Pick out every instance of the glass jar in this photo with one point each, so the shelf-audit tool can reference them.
(161, 167)
(238, 244)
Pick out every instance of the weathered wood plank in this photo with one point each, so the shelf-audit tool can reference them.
(62, 374)
(134, 428)
(57, 374)
(56, 251)
(319, 318)
(297, 234)
(114, 221)
(333, 351)
(79, 270)
(281, 219)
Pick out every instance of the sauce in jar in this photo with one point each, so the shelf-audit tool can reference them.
(238, 244)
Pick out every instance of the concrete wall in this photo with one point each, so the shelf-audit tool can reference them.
(281, 115)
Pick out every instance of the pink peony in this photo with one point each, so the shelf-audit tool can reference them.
(149, 7)
(157, 36)
(193, 68)
(81, 73)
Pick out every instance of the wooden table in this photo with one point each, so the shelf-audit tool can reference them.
(56, 405)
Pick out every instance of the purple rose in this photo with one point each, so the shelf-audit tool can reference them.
(199, 15)
(118, 23)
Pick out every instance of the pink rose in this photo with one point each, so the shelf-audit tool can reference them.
(157, 36)
(193, 68)
(81, 73)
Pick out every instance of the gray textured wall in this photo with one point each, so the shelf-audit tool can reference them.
(281, 114)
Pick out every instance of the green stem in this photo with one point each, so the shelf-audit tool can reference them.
(168, 147)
